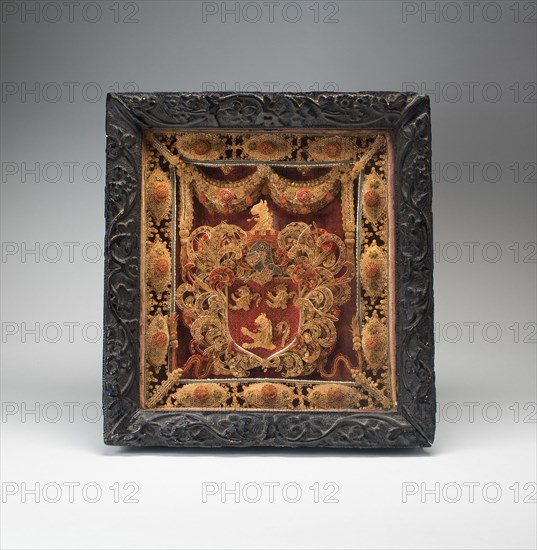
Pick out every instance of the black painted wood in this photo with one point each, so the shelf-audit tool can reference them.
(407, 117)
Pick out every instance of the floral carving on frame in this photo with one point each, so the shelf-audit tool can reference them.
(268, 274)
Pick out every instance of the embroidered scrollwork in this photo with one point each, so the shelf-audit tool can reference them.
(217, 258)
(265, 300)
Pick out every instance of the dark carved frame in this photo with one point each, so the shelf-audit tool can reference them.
(406, 117)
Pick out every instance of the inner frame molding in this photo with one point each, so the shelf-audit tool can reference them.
(268, 276)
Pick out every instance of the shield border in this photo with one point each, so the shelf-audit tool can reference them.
(263, 360)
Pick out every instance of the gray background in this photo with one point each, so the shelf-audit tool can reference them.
(479, 65)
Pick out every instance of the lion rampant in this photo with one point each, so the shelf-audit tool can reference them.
(263, 337)
(279, 299)
(243, 298)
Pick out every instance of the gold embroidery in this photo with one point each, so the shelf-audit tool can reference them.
(223, 196)
(305, 196)
(204, 294)
(158, 195)
(268, 395)
(159, 266)
(263, 147)
(333, 396)
(157, 341)
(347, 212)
(373, 270)
(200, 395)
(243, 298)
(301, 197)
(317, 264)
(331, 148)
(279, 299)
(164, 388)
(198, 146)
(283, 331)
(375, 342)
(374, 200)
(274, 147)
(262, 337)
(262, 218)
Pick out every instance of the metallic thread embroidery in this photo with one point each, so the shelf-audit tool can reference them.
(235, 285)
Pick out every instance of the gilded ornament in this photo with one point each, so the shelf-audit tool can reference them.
(159, 266)
(157, 340)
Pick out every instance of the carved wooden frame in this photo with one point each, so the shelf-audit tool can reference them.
(407, 118)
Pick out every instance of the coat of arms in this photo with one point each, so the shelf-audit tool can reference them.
(264, 298)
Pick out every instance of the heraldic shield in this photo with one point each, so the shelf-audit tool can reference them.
(263, 319)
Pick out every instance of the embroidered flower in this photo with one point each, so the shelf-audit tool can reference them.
(326, 244)
(281, 257)
(161, 191)
(332, 149)
(158, 266)
(373, 269)
(201, 393)
(162, 265)
(372, 198)
(304, 195)
(226, 196)
(265, 147)
(200, 146)
(304, 274)
(375, 342)
(220, 277)
(268, 395)
(160, 339)
(269, 392)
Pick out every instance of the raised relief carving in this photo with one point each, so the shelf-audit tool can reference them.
(406, 116)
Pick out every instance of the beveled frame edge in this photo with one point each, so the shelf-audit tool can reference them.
(407, 117)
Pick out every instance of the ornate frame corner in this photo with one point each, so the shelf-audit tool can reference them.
(406, 116)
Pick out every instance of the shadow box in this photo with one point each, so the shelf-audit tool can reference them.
(269, 270)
